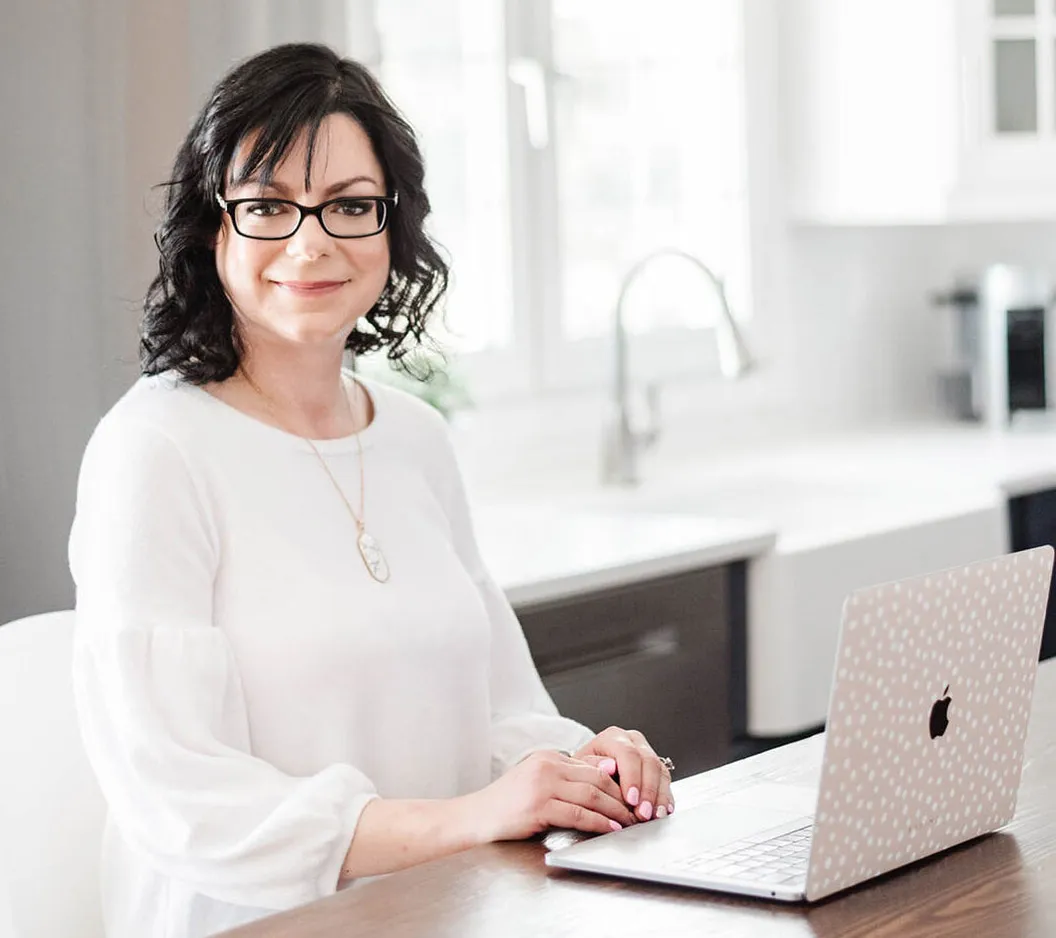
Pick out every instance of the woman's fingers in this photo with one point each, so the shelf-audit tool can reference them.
(665, 799)
(605, 763)
(656, 798)
(597, 772)
(574, 816)
(644, 781)
(663, 802)
(650, 776)
(618, 744)
(591, 796)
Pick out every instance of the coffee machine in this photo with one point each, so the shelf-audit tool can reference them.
(1000, 347)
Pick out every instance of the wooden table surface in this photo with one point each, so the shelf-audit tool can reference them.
(999, 886)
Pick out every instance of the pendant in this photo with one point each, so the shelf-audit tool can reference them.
(373, 558)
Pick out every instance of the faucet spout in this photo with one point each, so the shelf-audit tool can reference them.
(622, 442)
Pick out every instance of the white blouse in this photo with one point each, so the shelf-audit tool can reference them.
(244, 687)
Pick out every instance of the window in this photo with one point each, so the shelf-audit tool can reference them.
(444, 65)
(564, 140)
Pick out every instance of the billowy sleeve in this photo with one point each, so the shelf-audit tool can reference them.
(159, 696)
(523, 715)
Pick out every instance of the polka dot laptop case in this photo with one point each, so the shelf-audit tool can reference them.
(928, 716)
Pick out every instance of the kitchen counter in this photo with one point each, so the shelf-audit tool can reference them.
(819, 518)
(539, 553)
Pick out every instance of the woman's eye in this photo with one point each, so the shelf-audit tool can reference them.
(266, 209)
(354, 207)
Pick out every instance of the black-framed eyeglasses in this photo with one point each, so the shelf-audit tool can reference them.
(356, 216)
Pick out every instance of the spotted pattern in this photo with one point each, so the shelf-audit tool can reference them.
(890, 793)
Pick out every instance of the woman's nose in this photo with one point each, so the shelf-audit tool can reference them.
(310, 240)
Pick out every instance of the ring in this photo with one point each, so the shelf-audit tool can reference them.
(667, 763)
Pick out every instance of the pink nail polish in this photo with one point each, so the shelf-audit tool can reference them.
(646, 810)
(616, 825)
(670, 809)
(661, 811)
(632, 796)
(608, 766)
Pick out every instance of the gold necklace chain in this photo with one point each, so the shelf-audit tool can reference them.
(369, 550)
(359, 449)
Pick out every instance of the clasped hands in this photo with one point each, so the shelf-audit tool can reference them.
(614, 781)
(626, 756)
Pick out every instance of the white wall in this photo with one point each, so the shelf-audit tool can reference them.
(96, 94)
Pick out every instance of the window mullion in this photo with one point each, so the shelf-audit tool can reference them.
(534, 199)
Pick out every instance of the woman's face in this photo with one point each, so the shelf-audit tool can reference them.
(309, 288)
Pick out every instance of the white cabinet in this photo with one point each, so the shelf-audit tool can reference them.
(919, 111)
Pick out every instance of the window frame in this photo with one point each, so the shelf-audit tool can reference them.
(540, 361)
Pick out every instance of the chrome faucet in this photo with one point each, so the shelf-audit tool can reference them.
(622, 442)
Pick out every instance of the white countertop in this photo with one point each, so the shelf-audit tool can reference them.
(1014, 462)
(540, 553)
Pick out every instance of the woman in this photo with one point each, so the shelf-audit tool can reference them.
(292, 670)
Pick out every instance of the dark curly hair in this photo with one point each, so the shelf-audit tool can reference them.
(281, 93)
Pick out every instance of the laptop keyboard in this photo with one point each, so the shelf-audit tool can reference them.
(781, 859)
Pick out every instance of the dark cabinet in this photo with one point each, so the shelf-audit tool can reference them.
(659, 656)
(1033, 523)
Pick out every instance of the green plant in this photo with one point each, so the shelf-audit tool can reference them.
(440, 385)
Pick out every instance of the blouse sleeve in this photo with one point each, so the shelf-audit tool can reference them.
(159, 697)
(523, 716)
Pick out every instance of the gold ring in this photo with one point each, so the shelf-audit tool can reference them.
(667, 763)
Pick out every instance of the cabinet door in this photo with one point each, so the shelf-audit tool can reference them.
(1033, 523)
(1009, 98)
(651, 656)
(1019, 46)
(869, 92)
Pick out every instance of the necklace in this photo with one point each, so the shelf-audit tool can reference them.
(369, 549)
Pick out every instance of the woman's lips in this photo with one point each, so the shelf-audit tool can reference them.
(310, 287)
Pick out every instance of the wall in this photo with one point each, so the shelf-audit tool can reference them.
(867, 333)
(94, 97)
(50, 284)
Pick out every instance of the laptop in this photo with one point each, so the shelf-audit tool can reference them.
(923, 747)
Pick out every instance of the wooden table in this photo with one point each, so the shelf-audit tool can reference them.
(999, 886)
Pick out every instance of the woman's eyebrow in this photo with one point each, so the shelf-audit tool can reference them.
(344, 184)
(330, 190)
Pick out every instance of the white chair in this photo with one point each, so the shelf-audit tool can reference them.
(51, 809)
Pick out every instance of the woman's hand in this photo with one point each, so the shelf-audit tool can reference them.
(644, 779)
(549, 789)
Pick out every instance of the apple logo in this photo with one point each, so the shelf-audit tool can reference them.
(940, 715)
